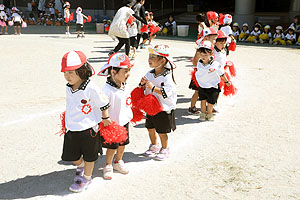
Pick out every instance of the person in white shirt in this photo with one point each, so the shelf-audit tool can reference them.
(160, 82)
(118, 70)
(290, 37)
(4, 19)
(266, 36)
(17, 19)
(278, 37)
(207, 78)
(254, 35)
(236, 30)
(244, 33)
(200, 18)
(67, 16)
(85, 105)
(79, 22)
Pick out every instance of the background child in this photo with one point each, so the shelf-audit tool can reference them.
(153, 27)
(31, 19)
(236, 31)
(4, 19)
(254, 35)
(213, 20)
(170, 26)
(79, 22)
(118, 70)
(145, 33)
(290, 37)
(266, 36)
(208, 78)
(67, 15)
(17, 19)
(278, 37)
(160, 82)
(200, 18)
(244, 33)
(83, 113)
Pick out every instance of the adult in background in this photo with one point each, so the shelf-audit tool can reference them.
(118, 27)
(139, 10)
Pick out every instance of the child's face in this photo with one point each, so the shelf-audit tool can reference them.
(155, 60)
(234, 28)
(72, 77)
(245, 28)
(171, 18)
(291, 32)
(266, 30)
(221, 44)
(205, 57)
(211, 38)
(122, 75)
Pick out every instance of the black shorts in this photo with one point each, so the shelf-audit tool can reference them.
(81, 143)
(67, 23)
(162, 122)
(145, 36)
(193, 86)
(116, 145)
(133, 42)
(79, 27)
(209, 94)
(17, 23)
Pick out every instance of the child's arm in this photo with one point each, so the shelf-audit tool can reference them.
(153, 88)
(105, 118)
(84, 16)
(228, 83)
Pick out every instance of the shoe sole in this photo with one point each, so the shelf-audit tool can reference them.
(191, 113)
(77, 191)
(120, 171)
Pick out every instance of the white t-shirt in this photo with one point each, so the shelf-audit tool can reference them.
(66, 13)
(3, 15)
(228, 31)
(164, 80)
(120, 101)
(79, 18)
(52, 11)
(276, 35)
(255, 33)
(17, 17)
(200, 27)
(208, 76)
(246, 32)
(118, 26)
(236, 34)
(132, 30)
(83, 109)
(290, 37)
(220, 57)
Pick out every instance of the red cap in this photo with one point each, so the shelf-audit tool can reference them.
(221, 34)
(115, 60)
(207, 45)
(72, 61)
(212, 15)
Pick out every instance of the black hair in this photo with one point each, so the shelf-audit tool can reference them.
(129, 3)
(168, 62)
(204, 50)
(221, 39)
(298, 19)
(117, 69)
(138, 1)
(85, 71)
(172, 17)
(201, 17)
(31, 15)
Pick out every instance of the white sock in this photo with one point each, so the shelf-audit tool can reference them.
(81, 165)
(87, 177)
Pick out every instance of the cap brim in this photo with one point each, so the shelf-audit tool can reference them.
(103, 70)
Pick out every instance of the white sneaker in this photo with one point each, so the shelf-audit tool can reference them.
(121, 167)
(152, 151)
(108, 172)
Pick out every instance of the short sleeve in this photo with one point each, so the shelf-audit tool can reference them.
(99, 99)
(167, 89)
(220, 70)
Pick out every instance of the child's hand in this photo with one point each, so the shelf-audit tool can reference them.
(228, 84)
(143, 81)
(149, 85)
(106, 122)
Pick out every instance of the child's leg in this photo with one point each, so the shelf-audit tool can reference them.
(164, 140)
(164, 152)
(78, 33)
(110, 156)
(2, 27)
(210, 108)
(203, 106)
(88, 169)
(15, 28)
(119, 164)
(152, 136)
(67, 29)
(82, 33)
(120, 153)
(194, 99)
(6, 27)
(19, 27)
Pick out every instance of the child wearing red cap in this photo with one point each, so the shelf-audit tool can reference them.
(207, 78)
(84, 104)
(160, 82)
(80, 22)
(67, 15)
(118, 70)
(212, 18)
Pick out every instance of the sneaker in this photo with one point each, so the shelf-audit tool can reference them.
(82, 36)
(163, 154)
(134, 55)
(143, 46)
(78, 36)
(110, 53)
(193, 110)
(152, 151)
(120, 167)
(6, 33)
(79, 171)
(261, 41)
(80, 184)
(108, 172)
(210, 117)
(202, 117)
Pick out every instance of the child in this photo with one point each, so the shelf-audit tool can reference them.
(83, 113)
(200, 18)
(266, 36)
(59, 20)
(132, 30)
(236, 31)
(145, 34)
(160, 82)
(254, 35)
(32, 20)
(290, 36)
(153, 27)
(278, 37)
(51, 10)
(213, 19)
(67, 15)
(4, 19)
(225, 21)
(79, 22)
(244, 33)
(17, 19)
(208, 78)
(170, 26)
(118, 70)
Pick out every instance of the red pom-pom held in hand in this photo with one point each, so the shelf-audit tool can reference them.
(66, 20)
(231, 90)
(63, 124)
(89, 19)
(114, 133)
(232, 46)
(231, 68)
(193, 74)
(138, 115)
(130, 20)
(150, 105)
(136, 95)
(71, 17)
(144, 29)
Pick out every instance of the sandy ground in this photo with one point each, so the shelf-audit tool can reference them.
(251, 150)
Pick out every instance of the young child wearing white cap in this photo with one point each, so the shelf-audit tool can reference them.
(207, 78)
(117, 70)
(235, 30)
(244, 32)
(160, 82)
(80, 22)
(278, 37)
(17, 19)
(3, 19)
(266, 35)
(67, 16)
(85, 104)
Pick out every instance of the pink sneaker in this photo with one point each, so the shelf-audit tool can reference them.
(163, 154)
(152, 151)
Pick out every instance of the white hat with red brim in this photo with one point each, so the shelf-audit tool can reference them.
(206, 45)
(78, 10)
(118, 60)
(164, 51)
(2, 7)
(74, 60)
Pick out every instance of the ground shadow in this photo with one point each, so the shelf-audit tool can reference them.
(54, 183)
(182, 58)
(98, 59)
(104, 41)
(59, 37)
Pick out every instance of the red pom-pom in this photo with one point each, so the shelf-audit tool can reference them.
(136, 95)
(231, 67)
(231, 90)
(138, 115)
(232, 46)
(221, 84)
(71, 17)
(84, 20)
(150, 105)
(144, 28)
(63, 124)
(154, 29)
(89, 19)
(66, 20)
(211, 15)
(130, 20)
(221, 18)
(193, 74)
(114, 133)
